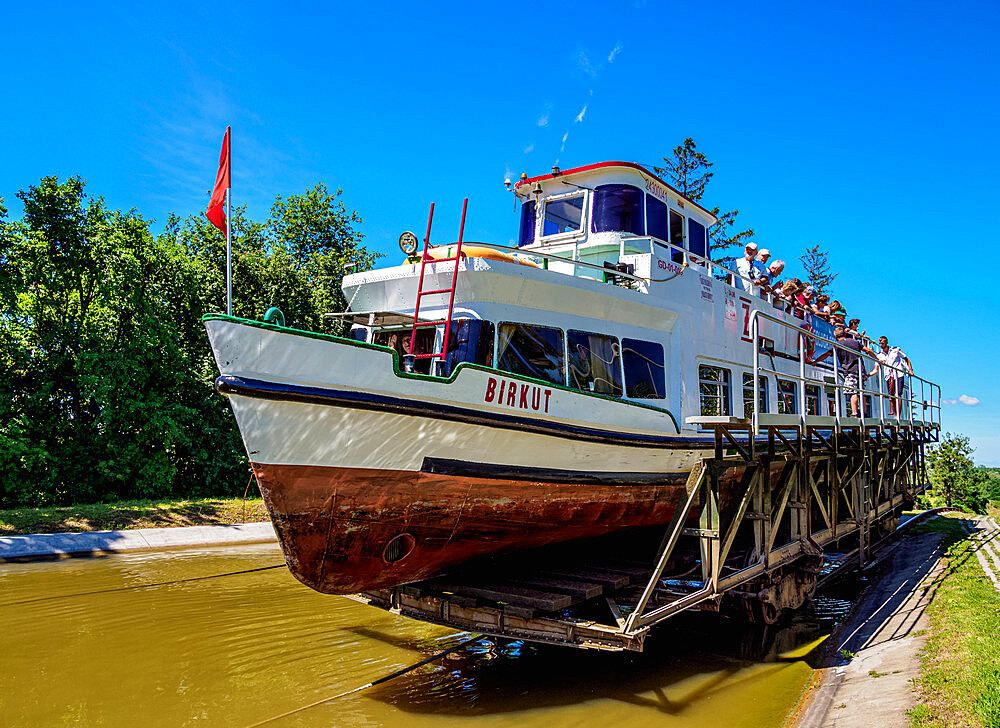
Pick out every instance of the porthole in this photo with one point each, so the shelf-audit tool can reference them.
(398, 548)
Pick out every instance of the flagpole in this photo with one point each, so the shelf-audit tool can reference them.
(229, 237)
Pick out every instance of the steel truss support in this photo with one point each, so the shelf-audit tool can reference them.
(768, 507)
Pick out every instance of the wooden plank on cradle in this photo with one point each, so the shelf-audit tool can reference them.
(637, 573)
(607, 579)
(422, 589)
(573, 587)
(518, 596)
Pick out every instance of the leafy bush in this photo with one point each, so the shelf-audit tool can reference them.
(106, 377)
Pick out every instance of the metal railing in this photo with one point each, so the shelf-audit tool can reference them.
(712, 267)
(561, 258)
(928, 403)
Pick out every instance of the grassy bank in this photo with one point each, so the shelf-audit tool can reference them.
(960, 681)
(132, 514)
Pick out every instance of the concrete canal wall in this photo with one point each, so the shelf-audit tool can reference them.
(59, 545)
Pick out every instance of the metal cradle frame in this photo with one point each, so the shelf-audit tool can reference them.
(789, 495)
(763, 520)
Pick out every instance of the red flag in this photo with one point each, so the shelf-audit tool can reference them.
(216, 206)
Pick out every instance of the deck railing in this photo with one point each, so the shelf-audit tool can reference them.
(928, 404)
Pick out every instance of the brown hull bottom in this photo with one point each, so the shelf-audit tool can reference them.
(335, 525)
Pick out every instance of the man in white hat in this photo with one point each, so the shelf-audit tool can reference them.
(762, 257)
(745, 267)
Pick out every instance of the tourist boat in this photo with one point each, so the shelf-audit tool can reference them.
(494, 399)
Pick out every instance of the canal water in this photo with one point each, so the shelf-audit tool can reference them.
(177, 639)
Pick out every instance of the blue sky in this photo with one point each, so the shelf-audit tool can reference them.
(870, 129)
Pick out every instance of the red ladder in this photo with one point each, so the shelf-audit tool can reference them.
(424, 259)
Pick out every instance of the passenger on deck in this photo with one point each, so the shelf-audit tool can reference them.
(761, 263)
(809, 297)
(793, 294)
(849, 365)
(822, 305)
(761, 279)
(770, 277)
(787, 292)
(775, 269)
(745, 267)
(852, 329)
(894, 377)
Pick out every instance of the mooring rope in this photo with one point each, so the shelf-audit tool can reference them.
(138, 586)
(373, 683)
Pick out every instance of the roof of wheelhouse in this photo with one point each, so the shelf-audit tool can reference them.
(603, 165)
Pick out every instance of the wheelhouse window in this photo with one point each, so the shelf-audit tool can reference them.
(677, 234)
(748, 394)
(713, 387)
(786, 397)
(533, 351)
(563, 214)
(618, 208)
(594, 363)
(812, 399)
(696, 238)
(527, 234)
(657, 224)
(644, 371)
(469, 340)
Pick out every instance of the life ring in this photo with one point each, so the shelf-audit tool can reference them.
(480, 251)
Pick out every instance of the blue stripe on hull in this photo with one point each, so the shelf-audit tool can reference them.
(260, 389)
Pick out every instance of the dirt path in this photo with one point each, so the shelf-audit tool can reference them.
(874, 656)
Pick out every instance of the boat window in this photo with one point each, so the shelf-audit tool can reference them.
(563, 214)
(469, 340)
(696, 238)
(594, 364)
(812, 399)
(656, 218)
(786, 397)
(677, 234)
(399, 341)
(748, 394)
(534, 351)
(527, 234)
(618, 208)
(644, 372)
(713, 388)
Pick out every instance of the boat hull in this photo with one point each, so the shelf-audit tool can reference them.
(350, 454)
(336, 524)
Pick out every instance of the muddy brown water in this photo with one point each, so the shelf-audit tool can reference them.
(85, 642)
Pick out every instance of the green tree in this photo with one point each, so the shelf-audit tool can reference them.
(955, 480)
(688, 171)
(107, 377)
(723, 235)
(295, 260)
(817, 269)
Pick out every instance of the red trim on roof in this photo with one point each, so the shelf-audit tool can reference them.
(599, 165)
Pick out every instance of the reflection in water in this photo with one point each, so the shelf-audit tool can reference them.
(234, 650)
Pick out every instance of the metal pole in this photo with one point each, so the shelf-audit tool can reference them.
(229, 235)
(881, 393)
(803, 406)
(836, 388)
(755, 325)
